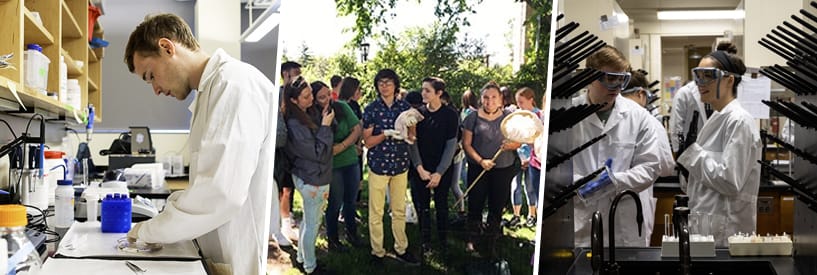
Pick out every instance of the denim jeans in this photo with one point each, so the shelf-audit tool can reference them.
(314, 199)
(343, 192)
(529, 178)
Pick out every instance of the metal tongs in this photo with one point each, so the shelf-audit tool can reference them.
(4, 61)
(135, 268)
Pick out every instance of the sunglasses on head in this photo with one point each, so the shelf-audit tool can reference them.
(299, 83)
(615, 81)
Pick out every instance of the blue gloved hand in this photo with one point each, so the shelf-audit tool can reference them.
(603, 181)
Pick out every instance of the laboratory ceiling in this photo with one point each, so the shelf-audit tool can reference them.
(645, 10)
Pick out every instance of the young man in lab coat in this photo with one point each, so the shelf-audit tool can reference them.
(634, 142)
(724, 176)
(231, 146)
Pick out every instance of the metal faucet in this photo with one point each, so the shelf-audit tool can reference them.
(681, 216)
(612, 267)
(597, 243)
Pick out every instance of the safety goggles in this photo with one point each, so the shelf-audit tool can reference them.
(615, 81)
(706, 75)
(633, 90)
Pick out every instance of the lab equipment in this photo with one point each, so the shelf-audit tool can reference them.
(55, 169)
(89, 127)
(116, 213)
(36, 68)
(92, 207)
(23, 258)
(64, 204)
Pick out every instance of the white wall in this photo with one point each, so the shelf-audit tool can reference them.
(674, 64)
(761, 17)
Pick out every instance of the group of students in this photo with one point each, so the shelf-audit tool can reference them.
(416, 141)
(723, 173)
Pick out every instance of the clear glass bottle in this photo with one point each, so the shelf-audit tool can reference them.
(22, 255)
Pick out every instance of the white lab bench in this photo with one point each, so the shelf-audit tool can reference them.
(84, 249)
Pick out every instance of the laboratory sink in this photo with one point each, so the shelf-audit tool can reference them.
(699, 267)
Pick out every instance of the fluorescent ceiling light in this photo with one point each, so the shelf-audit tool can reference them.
(263, 25)
(701, 14)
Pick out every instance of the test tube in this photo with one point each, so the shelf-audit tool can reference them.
(85, 172)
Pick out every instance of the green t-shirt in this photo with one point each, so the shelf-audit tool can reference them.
(343, 129)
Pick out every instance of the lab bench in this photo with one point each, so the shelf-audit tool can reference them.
(775, 213)
(84, 249)
(651, 257)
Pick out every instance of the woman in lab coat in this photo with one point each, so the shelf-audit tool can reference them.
(634, 142)
(724, 175)
(686, 100)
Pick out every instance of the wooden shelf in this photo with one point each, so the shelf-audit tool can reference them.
(73, 70)
(34, 32)
(91, 55)
(92, 87)
(34, 101)
(70, 27)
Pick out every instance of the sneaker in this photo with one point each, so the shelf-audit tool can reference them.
(336, 246)
(514, 222)
(407, 258)
(530, 222)
(340, 219)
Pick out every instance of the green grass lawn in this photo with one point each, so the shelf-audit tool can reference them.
(515, 246)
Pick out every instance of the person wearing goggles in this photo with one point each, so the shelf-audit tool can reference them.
(634, 146)
(724, 175)
(685, 101)
(636, 89)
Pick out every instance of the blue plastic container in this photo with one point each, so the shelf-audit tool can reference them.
(116, 213)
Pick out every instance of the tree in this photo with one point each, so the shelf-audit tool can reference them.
(452, 13)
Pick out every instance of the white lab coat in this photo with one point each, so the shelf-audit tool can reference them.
(232, 137)
(686, 100)
(724, 176)
(636, 143)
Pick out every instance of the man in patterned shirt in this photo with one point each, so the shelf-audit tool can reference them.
(388, 161)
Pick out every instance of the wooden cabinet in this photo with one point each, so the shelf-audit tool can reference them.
(62, 30)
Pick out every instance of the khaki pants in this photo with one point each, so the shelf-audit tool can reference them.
(396, 186)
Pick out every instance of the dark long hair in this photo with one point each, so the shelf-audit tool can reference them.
(293, 91)
(348, 87)
(316, 87)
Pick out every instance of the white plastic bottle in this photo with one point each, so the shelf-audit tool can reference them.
(23, 258)
(64, 204)
(92, 207)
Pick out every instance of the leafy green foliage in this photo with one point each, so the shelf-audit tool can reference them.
(414, 54)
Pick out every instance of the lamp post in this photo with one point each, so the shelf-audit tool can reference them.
(364, 51)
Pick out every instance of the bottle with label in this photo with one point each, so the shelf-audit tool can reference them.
(64, 204)
(23, 258)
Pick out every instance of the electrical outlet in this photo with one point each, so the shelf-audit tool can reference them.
(765, 205)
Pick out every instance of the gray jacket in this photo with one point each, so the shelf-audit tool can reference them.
(310, 153)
